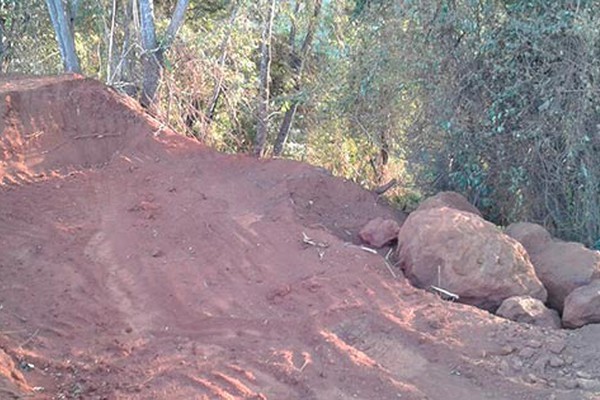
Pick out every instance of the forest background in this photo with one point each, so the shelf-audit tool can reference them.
(496, 99)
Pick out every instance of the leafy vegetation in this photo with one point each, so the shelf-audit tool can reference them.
(497, 99)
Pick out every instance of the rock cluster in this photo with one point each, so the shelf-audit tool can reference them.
(446, 243)
(466, 255)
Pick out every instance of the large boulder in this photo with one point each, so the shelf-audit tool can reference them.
(582, 306)
(465, 255)
(528, 310)
(378, 232)
(532, 236)
(563, 267)
(448, 199)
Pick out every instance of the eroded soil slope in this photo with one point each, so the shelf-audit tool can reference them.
(136, 264)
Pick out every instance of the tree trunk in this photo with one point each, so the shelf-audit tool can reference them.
(72, 14)
(175, 23)
(297, 65)
(284, 130)
(64, 35)
(121, 72)
(2, 45)
(262, 127)
(153, 54)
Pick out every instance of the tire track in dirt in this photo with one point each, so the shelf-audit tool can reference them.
(123, 282)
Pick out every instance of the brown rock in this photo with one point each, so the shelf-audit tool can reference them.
(582, 306)
(378, 232)
(533, 237)
(465, 255)
(451, 200)
(529, 310)
(563, 267)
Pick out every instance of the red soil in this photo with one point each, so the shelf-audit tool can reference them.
(137, 264)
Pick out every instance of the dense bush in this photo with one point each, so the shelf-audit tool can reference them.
(503, 104)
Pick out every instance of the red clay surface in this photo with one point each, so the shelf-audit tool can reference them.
(137, 264)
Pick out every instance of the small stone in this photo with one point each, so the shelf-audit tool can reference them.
(540, 364)
(536, 344)
(569, 384)
(569, 360)
(378, 232)
(503, 368)
(506, 350)
(588, 384)
(531, 378)
(584, 375)
(529, 310)
(516, 364)
(556, 362)
(156, 253)
(526, 352)
(556, 347)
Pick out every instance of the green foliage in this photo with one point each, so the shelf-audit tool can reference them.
(507, 111)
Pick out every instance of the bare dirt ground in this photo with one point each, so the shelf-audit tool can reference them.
(137, 264)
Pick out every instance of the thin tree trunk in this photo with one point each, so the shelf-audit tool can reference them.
(297, 64)
(284, 129)
(219, 83)
(175, 23)
(196, 113)
(111, 38)
(153, 54)
(72, 14)
(262, 127)
(2, 46)
(122, 70)
(64, 35)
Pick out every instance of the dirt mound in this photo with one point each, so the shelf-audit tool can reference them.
(137, 264)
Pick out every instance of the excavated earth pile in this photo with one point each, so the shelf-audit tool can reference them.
(137, 264)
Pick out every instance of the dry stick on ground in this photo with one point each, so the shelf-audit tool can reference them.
(307, 240)
(444, 294)
(386, 259)
(98, 136)
(373, 251)
(321, 246)
(364, 248)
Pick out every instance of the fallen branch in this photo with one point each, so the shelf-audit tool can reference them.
(389, 267)
(388, 264)
(444, 294)
(364, 248)
(384, 188)
(306, 362)
(307, 240)
(98, 136)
